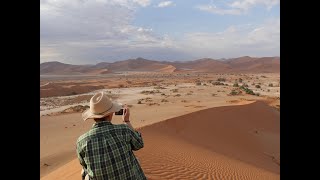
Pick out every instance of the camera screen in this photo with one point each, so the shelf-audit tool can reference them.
(119, 112)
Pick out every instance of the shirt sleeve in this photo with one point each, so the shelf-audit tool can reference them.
(136, 140)
(83, 164)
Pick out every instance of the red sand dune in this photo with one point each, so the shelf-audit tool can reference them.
(232, 142)
(169, 68)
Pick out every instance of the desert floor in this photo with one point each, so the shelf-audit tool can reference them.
(191, 131)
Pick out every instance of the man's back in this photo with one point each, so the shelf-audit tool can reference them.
(106, 152)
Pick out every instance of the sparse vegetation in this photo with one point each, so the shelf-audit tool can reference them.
(184, 101)
(221, 79)
(151, 104)
(139, 102)
(189, 94)
(235, 85)
(159, 87)
(218, 83)
(245, 85)
(174, 90)
(150, 92)
(268, 90)
(213, 94)
(258, 86)
(240, 80)
(121, 86)
(198, 83)
(235, 92)
(164, 100)
(270, 85)
(148, 99)
(177, 95)
(247, 90)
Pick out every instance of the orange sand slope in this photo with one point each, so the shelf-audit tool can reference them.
(233, 142)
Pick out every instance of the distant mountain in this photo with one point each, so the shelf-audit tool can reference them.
(255, 65)
(244, 64)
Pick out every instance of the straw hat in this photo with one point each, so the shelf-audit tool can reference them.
(100, 106)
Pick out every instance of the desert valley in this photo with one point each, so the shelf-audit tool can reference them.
(201, 119)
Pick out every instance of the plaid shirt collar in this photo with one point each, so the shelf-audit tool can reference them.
(101, 123)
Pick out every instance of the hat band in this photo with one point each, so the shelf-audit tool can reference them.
(103, 111)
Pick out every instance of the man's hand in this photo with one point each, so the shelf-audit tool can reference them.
(126, 114)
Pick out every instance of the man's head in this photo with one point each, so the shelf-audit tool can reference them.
(101, 108)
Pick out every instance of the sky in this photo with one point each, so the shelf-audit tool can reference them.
(92, 31)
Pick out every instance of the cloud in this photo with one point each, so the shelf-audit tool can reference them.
(247, 4)
(90, 31)
(82, 31)
(235, 41)
(143, 3)
(215, 10)
(238, 7)
(165, 4)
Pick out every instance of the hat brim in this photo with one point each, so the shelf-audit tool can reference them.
(87, 114)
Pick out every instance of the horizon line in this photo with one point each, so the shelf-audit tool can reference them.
(164, 60)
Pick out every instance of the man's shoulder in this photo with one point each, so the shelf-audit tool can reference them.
(85, 136)
(82, 137)
(120, 126)
(92, 132)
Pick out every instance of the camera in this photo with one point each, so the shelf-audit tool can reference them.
(119, 112)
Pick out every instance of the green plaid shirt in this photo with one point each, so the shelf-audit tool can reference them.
(105, 152)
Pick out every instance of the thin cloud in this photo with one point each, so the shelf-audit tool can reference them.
(214, 9)
(238, 7)
(143, 3)
(261, 40)
(248, 4)
(165, 4)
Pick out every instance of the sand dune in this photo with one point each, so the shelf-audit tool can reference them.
(169, 68)
(232, 142)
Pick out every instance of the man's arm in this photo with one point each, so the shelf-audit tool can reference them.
(136, 140)
(83, 164)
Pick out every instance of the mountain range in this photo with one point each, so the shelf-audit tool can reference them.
(243, 64)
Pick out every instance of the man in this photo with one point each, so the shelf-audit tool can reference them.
(105, 151)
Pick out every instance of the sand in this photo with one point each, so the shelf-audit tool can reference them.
(231, 142)
(191, 131)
